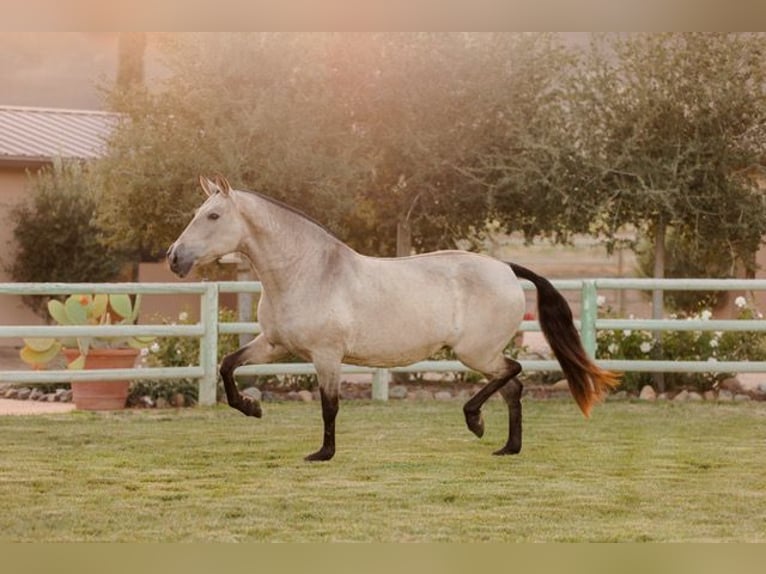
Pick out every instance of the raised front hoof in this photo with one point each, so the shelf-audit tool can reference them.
(250, 407)
(320, 455)
(475, 423)
(507, 450)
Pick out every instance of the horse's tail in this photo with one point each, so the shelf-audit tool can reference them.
(587, 382)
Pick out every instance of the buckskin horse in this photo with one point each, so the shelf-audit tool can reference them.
(328, 304)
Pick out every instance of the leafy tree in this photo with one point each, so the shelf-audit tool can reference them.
(56, 237)
(369, 133)
(676, 123)
(254, 107)
(529, 160)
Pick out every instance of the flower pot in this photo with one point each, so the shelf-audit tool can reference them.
(102, 395)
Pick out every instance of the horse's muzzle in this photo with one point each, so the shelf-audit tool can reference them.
(178, 264)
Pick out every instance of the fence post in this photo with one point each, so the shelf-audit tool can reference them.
(588, 314)
(209, 345)
(380, 380)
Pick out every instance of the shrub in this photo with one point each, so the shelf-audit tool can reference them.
(179, 352)
(184, 352)
(56, 237)
(712, 346)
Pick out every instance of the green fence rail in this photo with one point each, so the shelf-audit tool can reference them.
(208, 329)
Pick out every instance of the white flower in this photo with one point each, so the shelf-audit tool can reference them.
(183, 316)
(627, 332)
(740, 302)
(144, 352)
(600, 300)
(712, 360)
(714, 343)
(645, 347)
(612, 348)
(706, 314)
(154, 347)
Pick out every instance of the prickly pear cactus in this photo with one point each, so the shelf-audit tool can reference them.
(98, 309)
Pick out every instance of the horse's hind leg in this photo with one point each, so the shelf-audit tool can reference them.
(259, 350)
(511, 392)
(472, 408)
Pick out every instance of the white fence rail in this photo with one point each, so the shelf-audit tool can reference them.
(208, 329)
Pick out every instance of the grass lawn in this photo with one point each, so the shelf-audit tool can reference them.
(403, 471)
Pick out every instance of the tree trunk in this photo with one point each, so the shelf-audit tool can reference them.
(403, 238)
(403, 249)
(130, 59)
(658, 303)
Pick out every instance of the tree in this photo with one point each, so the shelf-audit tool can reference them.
(529, 160)
(255, 107)
(416, 105)
(56, 237)
(676, 122)
(369, 133)
(130, 59)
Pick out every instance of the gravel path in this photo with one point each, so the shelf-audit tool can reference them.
(13, 407)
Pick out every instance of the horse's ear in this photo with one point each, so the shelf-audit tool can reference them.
(223, 184)
(210, 187)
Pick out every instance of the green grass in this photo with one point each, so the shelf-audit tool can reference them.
(404, 471)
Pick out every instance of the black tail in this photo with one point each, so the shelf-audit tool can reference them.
(587, 382)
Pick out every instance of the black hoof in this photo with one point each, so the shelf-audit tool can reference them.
(507, 450)
(475, 423)
(320, 455)
(250, 407)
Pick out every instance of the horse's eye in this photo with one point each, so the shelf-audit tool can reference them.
(213, 216)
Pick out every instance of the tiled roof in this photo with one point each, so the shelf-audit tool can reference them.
(40, 134)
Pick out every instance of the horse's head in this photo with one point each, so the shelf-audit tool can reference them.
(216, 229)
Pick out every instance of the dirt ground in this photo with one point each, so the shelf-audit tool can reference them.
(9, 361)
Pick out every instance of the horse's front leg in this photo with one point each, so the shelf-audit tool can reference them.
(329, 389)
(259, 350)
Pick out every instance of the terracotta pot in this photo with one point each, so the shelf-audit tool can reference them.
(102, 395)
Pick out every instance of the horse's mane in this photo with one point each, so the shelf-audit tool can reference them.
(294, 210)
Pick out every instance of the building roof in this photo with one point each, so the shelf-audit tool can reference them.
(31, 136)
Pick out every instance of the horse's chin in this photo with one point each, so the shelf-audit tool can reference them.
(181, 270)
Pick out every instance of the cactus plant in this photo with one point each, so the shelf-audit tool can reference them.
(98, 309)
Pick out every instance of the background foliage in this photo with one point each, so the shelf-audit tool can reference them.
(435, 135)
(712, 346)
(56, 236)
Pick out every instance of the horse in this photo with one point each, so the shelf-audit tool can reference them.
(329, 305)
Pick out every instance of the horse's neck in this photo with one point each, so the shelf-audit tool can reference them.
(283, 245)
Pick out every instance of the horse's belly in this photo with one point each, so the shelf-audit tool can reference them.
(383, 359)
(392, 345)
